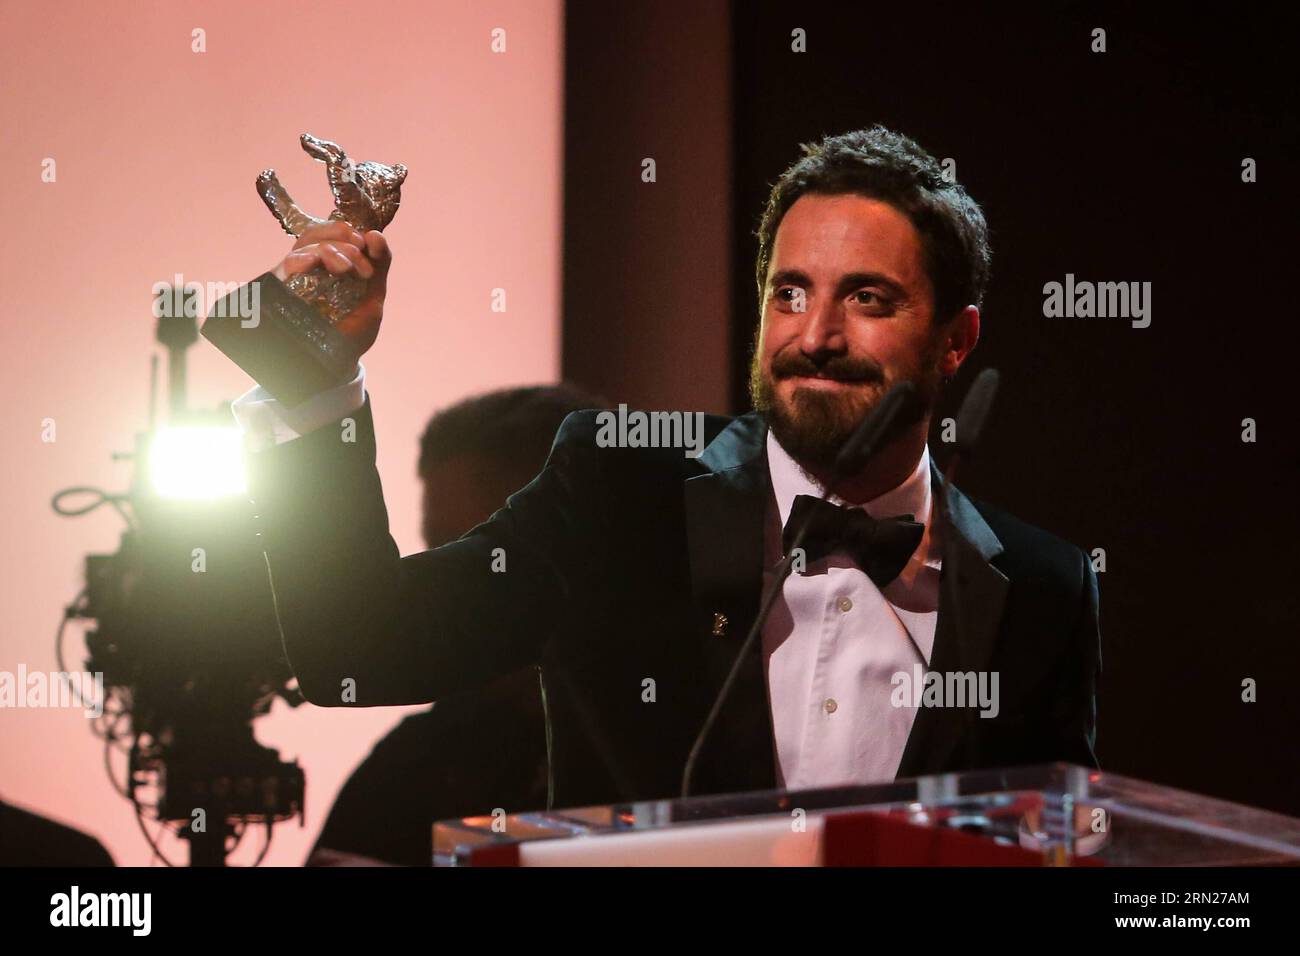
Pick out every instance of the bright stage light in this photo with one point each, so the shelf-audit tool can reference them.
(197, 461)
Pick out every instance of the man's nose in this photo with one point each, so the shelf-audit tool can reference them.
(823, 330)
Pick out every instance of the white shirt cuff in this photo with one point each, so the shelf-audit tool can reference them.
(267, 422)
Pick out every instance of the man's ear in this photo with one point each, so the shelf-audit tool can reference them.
(960, 340)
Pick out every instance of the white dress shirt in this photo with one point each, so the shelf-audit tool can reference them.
(266, 422)
(834, 641)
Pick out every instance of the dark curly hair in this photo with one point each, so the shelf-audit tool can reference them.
(882, 164)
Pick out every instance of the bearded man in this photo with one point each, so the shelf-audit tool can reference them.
(631, 575)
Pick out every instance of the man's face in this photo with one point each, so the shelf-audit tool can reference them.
(847, 313)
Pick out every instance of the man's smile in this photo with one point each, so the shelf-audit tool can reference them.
(823, 382)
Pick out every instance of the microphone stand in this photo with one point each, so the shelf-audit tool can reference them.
(971, 417)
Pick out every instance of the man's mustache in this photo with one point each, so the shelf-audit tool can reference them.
(839, 368)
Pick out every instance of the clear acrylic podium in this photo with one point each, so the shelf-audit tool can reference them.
(1055, 814)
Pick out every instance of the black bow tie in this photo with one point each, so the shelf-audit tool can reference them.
(879, 546)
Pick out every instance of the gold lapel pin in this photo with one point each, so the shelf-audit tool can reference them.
(719, 624)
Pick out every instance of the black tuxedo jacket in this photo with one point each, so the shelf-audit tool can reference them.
(609, 571)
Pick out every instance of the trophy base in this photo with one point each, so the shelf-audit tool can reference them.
(287, 346)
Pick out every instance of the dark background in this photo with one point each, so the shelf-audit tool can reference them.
(1120, 166)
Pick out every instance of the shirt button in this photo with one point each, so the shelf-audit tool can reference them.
(830, 705)
(844, 604)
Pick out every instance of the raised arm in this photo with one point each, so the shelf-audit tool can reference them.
(361, 625)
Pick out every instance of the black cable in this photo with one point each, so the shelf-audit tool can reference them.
(102, 497)
(151, 840)
(266, 846)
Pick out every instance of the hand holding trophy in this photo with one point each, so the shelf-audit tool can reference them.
(319, 310)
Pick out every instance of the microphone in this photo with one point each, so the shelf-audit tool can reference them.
(874, 430)
(971, 419)
(974, 411)
(862, 444)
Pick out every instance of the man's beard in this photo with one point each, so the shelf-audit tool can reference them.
(815, 424)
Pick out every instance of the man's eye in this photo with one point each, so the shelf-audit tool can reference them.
(873, 302)
(791, 298)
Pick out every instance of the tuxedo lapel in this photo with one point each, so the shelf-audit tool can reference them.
(725, 507)
(972, 593)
